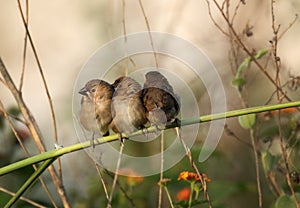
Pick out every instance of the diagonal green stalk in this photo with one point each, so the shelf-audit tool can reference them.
(169, 196)
(206, 118)
(30, 181)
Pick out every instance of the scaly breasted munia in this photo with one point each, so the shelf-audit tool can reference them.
(161, 103)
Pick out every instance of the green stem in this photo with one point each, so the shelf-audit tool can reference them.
(30, 181)
(197, 194)
(191, 194)
(169, 196)
(206, 118)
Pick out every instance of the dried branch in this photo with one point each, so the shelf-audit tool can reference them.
(33, 203)
(289, 27)
(213, 20)
(248, 52)
(122, 189)
(149, 32)
(194, 166)
(279, 98)
(44, 82)
(232, 134)
(33, 128)
(116, 175)
(256, 168)
(24, 48)
(102, 180)
(7, 117)
(161, 168)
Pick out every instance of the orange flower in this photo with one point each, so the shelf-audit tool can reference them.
(285, 111)
(207, 179)
(183, 194)
(188, 176)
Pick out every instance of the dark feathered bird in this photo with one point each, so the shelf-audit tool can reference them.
(95, 113)
(161, 103)
(128, 111)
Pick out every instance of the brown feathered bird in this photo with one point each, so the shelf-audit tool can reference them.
(128, 111)
(95, 113)
(161, 103)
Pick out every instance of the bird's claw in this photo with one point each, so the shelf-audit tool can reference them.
(121, 139)
(177, 122)
(93, 143)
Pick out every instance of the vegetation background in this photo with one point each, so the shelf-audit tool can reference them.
(66, 33)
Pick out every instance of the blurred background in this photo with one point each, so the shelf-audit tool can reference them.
(66, 33)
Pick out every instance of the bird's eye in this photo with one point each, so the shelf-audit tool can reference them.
(93, 90)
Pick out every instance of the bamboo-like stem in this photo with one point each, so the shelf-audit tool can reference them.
(31, 202)
(30, 181)
(34, 130)
(206, 118)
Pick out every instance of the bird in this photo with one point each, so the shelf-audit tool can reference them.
(95, 112)
(161, 103)
(128, 111)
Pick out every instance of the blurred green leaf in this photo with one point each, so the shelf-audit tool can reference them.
(261, 53)
(1, 121)
(268, 161)
(239, 82)
(243, 67)
(14, 110)
(285, 201)
(247, 121)
(245, 64)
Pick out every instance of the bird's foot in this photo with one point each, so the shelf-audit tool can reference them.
(121, 138)
(177, 122)
(93, 143)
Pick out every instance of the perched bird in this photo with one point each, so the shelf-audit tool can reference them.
(128, 111)
(95, 113)
(161, 103)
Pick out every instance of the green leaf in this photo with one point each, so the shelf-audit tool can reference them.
(2, 124)
(247, 121)
(261, 53)
(243, 67)
(285, 201)
(239, 82)
(14, 110)
(268, 161)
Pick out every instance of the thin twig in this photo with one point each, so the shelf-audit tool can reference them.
(26, 152)
(34, 129)
(248, 52)
(149, 32)
(213, 20)
(33, 203)
(279, 98)
(102, 180)
(161, 168)
(289, 27)
(235, 11)
(24, 49)
(232, 134)
(256, 168)
(44, 82)
(285, 159)
(194, 166)
(122, 189)
(125, 34)
(116, 175)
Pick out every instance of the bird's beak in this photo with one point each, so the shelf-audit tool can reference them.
(83, 91)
